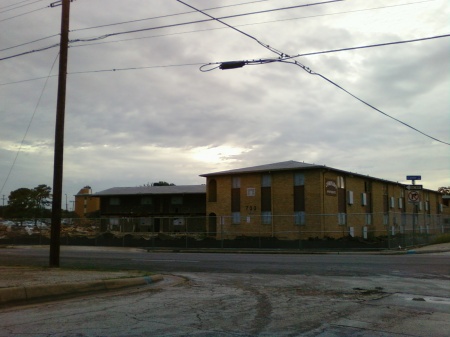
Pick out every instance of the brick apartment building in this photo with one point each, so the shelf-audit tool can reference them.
(293, 200)
(86, 203)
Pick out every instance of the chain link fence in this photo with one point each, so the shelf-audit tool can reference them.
(370, 231)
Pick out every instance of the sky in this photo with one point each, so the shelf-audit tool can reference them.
(139, 110)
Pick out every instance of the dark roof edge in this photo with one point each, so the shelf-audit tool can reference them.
(247, 170)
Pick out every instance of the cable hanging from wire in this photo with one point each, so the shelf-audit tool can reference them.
(284, 58)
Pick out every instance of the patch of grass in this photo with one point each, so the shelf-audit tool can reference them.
(445, 238)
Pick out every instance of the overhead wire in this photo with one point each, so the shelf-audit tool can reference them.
(202, 21)
(14, 4)
(22, 14)
(252, 62)
(165, 16)
(187, 23)
(11, 9)
(24, 44)
(282, 57)
(167, 26)
(247, 24)
(28, 127)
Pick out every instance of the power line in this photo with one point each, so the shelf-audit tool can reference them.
(28, 127)
(187, 23)
(11, 9)
(201, 21)
(216, 64)
(29, 52)
(169, 26)
(166, 16)
(283, 58)
(16, 16)
(23, 44)
(248, 24)
(17, 3)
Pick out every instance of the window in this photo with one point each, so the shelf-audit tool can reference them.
(300, 218)
(368, 219)
(212, 190)
(266, 198)
(350, 197)
(236, 182)
(114, 201)
(299, 193)
(400, 203)
(266, 180)
(392, 202)
(342, 218)
(251, 192)
(146, 200)
(176, 200)
(299, 179)
(236, 218)
(340, 182)
(266, 218)
(363, 199)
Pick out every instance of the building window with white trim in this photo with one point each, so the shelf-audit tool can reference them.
(266, 218)
(300, 218)
(342, 218)
(251, 192)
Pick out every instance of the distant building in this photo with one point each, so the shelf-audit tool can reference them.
(293, 200)
(154, 208)
(85, 202)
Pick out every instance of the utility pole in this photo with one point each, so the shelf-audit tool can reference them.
(59, 137)
(3, 207)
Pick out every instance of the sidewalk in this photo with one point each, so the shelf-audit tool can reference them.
(31, 284)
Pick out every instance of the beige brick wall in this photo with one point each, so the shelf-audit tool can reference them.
(321, 209)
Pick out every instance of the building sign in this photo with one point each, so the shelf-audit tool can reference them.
(330, 187)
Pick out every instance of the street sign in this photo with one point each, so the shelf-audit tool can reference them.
(413, 177)
(413, 197)
(414, 187)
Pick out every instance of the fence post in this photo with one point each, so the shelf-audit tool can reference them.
(186, 232)
(221, 231)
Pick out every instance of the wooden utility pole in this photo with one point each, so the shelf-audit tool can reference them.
(59, 137)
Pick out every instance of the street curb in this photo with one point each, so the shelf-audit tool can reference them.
(33, 293)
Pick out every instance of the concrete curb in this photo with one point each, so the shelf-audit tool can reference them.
(45, 292)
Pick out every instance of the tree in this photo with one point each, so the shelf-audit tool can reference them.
(444, 190)
(29, 203)
(162, 183)
(159, 183)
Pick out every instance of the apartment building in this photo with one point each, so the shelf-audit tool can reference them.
(295, 200)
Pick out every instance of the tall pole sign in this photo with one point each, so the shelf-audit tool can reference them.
(413, 194)
(59, 137)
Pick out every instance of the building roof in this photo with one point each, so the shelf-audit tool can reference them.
(293, 165)
(186, 189)
(281, 166)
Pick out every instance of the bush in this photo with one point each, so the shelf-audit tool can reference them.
(445, 238)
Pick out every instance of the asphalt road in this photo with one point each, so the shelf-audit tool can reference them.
(435, 266)
(245, 295)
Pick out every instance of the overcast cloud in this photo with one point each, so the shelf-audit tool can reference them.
(166, 120)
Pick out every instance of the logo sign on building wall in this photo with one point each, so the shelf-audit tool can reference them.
(330, 187)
